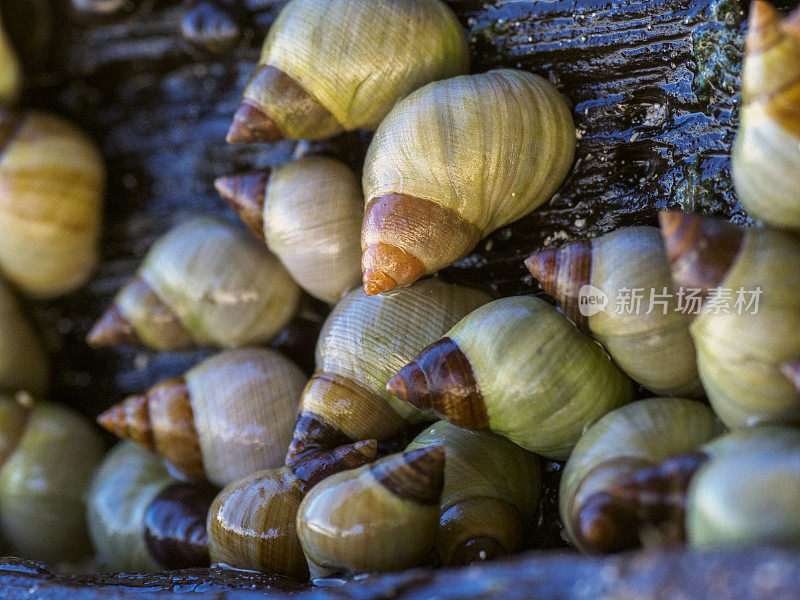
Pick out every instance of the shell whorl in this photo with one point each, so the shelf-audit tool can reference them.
(245, 193)
(416, 475)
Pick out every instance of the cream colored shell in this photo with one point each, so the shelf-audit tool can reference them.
(368, 339)
(739, 356)
(24, 365)
(543, 381)
(359, 57)
(51, 189)
(491, 147)
(244, 404)
(10, 70)
(312, 222)
(225, 288)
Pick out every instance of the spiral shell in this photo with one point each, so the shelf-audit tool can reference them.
(24, 365)
(10, 70)
(309, 213)
(603, 507)
(490, 494)
(517, 367)
(252, 522)
(52, 179)
(380, 517)
(143, 519)
(740, 350)
(229, 416)
(334, 65)
(48, 455)
(652, 343)
(364, 341)
(202, 283)
(454, 161)
(766, 153)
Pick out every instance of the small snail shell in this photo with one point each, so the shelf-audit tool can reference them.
(203, 283)
(652, 345)
(747, 494)
(454, 161)
(24, 365)
(229, 416)
(766, 153)
(10, 70)
(517, 367)
(333, 65)
(48, 455)
(381, 517)
(143, 519)
(364, 341)
(740, 352)
(51, 189)
(603, 507)
(491, 489)
(252, 522)
(309, 212)
(215, 25)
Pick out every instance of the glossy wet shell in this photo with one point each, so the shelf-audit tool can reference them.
(24, 364)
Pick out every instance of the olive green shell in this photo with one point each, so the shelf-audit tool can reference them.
(24, 365)
(50, 453)
(639, 434)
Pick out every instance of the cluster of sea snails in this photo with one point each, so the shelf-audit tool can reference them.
(245, 462)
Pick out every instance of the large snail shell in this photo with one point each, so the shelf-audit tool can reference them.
(597, 507)
(49, 455)
(519, 368)
(364, 341)
(24, 365)
(143, 519)
(309, 211)
(10, 70)
(229, 416)
(491, 488)
(454, 161)
(381, 517)
(51, 189)
(252, 522)
(766, 154)
(740, 351)
(334, 65)
(651, 344)
(203, 283)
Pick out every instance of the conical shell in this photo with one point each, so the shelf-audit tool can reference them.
(766, 153)
(24, 365)
(333, 65)
(519, 368)
(364, 341)
(490, 495)
(454, 161)
(252, 523)
(647, 337)
(311, 212)
(52, 179)
(222, 287)
(381, 517)
(636, 436)
(10, 70)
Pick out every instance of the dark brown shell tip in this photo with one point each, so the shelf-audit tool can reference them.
(251, 125)
(113, 329)
(246, 195)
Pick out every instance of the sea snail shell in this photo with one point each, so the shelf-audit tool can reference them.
(309, 212)
(229, 416)
(517, 367)
(52, 179)
(740, 351)
(203, 283)
(766, 153)
(333, 65)
(10, 70)
(380, 517)
(454, 161)
(143, 519)
(652, 345)
(364, 341)
(47, 455)
(491, 489)
(606, 503)
(252, 522)
(24, 365)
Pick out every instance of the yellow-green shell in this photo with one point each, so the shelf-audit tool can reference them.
(24, 364)
(10, 70)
